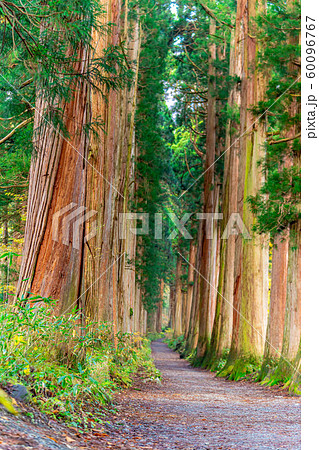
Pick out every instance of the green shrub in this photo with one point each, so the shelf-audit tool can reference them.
(155, 336)
(68, 368)
(175, 343)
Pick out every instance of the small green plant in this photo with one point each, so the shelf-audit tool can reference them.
(175, 343)
(220, 362)
(155, 336)
(68, 370)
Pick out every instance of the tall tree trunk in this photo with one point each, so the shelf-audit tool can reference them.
(159, 312)
(57, 179)
(115, 297)
(288, 298)
(92, 174)
(289, 363)
(192, 336)
(251, 269)
(276, 316)
(178, 330)
(190, 285)
(151, 321)
(223, 323)
(290, 356)
(205, 245)
(172, 295)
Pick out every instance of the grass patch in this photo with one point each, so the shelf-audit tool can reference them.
(241, 368)
(69, 370)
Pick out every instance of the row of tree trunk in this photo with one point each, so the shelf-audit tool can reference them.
(239, 308)
(79, 185)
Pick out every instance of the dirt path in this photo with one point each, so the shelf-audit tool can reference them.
(191, 409)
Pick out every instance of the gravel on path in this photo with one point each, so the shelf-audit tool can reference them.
(191, 409)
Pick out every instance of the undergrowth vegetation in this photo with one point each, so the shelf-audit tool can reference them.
(175, 343)
(155, 336)
(70, 370)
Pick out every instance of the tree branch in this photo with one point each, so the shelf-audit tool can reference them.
(25, 83)
(21, 125)
(186, 161)
(14, 186)
(212, 15)
(199, 153)
(192, 62)
(18, 115)
(279, 141)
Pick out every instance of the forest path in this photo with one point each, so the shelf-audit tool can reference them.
(192, 409)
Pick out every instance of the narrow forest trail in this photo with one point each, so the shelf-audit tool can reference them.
(191, 409)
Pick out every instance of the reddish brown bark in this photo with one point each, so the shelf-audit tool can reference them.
(190, 285)
(48, 267)
(223, 323)
(192, 336)
(289, 364)
(171, 322)
(159, 312)
(205, 245)
(291, 349)
(95, 173)
(178, 329)
(254, 285)
(278, 292)
(292, 329)
(251, 255)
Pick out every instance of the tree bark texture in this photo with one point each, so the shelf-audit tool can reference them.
(88, 265)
